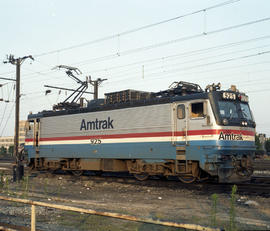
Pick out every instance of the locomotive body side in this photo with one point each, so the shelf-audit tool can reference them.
(117, 134)
(184, 137)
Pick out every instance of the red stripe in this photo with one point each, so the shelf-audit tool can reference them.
(217, 132)
(152, 134)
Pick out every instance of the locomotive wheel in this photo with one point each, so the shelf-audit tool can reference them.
(187, 179)
(141, 176)
(77, 172)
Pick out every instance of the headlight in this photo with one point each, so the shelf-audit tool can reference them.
(244, 123)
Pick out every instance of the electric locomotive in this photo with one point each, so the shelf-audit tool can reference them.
(184, 131)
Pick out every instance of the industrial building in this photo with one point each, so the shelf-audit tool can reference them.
(7, 141)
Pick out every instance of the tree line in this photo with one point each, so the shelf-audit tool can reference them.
(259, 144)
(7, 151)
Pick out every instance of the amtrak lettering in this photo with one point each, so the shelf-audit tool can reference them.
(230, 136)
(96, 124)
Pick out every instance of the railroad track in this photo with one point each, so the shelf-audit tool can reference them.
(259, 185)
(6, 164)
(261, 165)
(260, 179)
(256, 187)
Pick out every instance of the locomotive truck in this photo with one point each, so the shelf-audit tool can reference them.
(185, 132)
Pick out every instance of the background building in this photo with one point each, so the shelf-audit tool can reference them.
(8, 141)
(22, 131)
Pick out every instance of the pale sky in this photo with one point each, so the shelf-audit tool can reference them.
(229, 44)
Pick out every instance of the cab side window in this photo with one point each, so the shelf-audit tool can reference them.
(197, 110)
(181, 111)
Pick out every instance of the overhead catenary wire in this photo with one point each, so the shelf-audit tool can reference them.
(196, 66)
(228, 77)
(104, 58)
(225, 68)
(145, 48)
(127, 52)
(185, 54)
(190, 61)
(9, 115)
(8, 119)
(259, 91)
(192, 67)
(128, 32)
(136, 29)
(5, 108)
(175, 56)
(166, 66)
(250, 82)
(219, 30)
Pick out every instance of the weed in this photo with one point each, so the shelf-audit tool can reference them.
(25, 186)
(214, 198)
(58, 190)
(232, 224)
(6, 186)
(2, 180)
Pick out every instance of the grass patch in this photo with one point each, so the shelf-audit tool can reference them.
(100, 223)
(214, 198)
(92, 222)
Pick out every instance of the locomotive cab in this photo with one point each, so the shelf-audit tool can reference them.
(235, 143)
(215, 130)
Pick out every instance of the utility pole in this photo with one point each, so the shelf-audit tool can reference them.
(18, 173)
(96, 83)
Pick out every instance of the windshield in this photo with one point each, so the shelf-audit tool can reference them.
(245, 111)
(234, 110)
(228, 109)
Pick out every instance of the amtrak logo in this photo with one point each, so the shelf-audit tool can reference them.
(230, 136)
(96, 124)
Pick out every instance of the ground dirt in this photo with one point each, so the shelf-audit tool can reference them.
(154, 201)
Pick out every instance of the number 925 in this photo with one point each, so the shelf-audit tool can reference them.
(95, 141)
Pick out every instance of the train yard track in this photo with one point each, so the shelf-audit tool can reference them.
(43, 186)
(259, 185)
(262, 165)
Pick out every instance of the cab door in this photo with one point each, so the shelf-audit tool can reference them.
(199, 125)
(36, 136)
(180, 129)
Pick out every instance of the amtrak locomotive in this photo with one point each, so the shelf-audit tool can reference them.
(184, 131)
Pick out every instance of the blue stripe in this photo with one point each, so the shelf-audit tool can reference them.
(118, 151)
(195, 150)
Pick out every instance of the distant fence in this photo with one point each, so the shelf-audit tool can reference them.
(105, 214)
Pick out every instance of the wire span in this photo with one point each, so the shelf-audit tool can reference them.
(136, 29)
